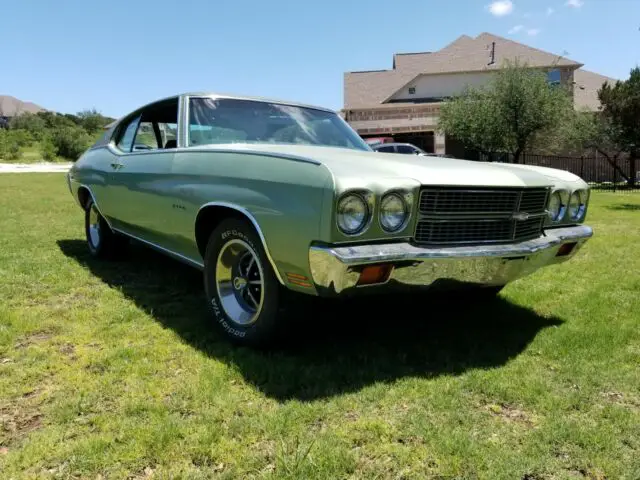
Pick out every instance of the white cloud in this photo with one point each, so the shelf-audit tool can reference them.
(516, 29)
(550, 11)
(532, 32)
(500, 8)
(575, 3)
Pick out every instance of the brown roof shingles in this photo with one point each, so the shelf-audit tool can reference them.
(465, 54)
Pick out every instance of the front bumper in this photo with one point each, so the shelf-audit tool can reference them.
(336, 270)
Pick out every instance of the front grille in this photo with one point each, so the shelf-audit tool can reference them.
(530, 228)
(457, 201)
(462, 231)
(454, 216)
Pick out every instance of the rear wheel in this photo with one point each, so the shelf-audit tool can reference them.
(101, 240)
(240, 284)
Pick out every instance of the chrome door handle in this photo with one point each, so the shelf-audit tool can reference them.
(117, 166)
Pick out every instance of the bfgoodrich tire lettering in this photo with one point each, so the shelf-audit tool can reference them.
(241, 287)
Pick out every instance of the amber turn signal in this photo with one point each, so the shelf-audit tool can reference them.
(375, 274)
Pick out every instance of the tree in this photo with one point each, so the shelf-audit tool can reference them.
(621, 109)
(92, 120)
(30, 122)
(593, 131)
(516, 109)
(70, 142)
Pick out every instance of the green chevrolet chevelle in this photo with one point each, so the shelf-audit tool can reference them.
(268, 197)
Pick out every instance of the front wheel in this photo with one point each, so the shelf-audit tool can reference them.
(101, 240)
(241, 287)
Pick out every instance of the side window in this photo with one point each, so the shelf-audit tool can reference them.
(145, 138)
(127, 134)
(406, 149)
(208, 125)
(168, 134)
(386, 149)
(554, 77)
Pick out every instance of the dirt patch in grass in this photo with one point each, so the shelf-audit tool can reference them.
(18, 422)
(621, 399)
(69, 350)
(34, 338)
(511, 413)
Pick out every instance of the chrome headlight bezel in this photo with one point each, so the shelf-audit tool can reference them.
(402, 200)
(364, 199)
(577, 206)
(557, 215)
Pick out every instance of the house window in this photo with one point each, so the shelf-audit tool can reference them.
(554, 77)
(412, 90)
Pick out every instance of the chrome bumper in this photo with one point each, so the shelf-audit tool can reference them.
(336, 270)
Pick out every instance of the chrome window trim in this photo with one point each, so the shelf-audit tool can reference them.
(254, 222)
(112, 146)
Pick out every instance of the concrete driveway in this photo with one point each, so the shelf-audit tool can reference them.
(42, 167)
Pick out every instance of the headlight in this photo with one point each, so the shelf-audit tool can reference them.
(393, 212)
(353, 213)
(557, 207)
(577, 205)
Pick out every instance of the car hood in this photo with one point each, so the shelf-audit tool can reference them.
(348, 166)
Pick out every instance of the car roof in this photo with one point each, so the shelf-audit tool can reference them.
(235, 97)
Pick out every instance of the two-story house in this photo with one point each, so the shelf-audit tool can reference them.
(404, 102)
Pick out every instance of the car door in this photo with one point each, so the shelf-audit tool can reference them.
(140, 182)
(386, 149)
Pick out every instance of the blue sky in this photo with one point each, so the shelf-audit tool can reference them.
(67, 55)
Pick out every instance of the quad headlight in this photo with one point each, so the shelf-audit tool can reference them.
(557, 207)
(353, 213)
(577, 205)
(393, 212)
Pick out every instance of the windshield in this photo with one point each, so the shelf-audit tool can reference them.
(226, 120)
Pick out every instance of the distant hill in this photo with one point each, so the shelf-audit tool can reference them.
(10, 106)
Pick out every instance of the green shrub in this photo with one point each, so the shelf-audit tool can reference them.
(29, 122)
(48, 150)
(22, 137)
(70, 142)
(9, 146)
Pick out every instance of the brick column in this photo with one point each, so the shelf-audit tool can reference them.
(440, 144)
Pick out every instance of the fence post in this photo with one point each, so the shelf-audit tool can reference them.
(582, 167)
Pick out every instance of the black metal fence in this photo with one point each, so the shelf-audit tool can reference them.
(601, 173)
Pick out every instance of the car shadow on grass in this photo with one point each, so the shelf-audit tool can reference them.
(336, 347)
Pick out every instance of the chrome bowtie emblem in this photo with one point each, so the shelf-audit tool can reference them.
(239, 283)
(521, 216)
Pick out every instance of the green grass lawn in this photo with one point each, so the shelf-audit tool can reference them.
(112, 370)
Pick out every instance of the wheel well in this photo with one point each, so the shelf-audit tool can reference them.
(209, 218)
(83, 197)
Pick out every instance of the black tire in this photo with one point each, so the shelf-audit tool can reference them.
(102, 241)
(233, 237)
